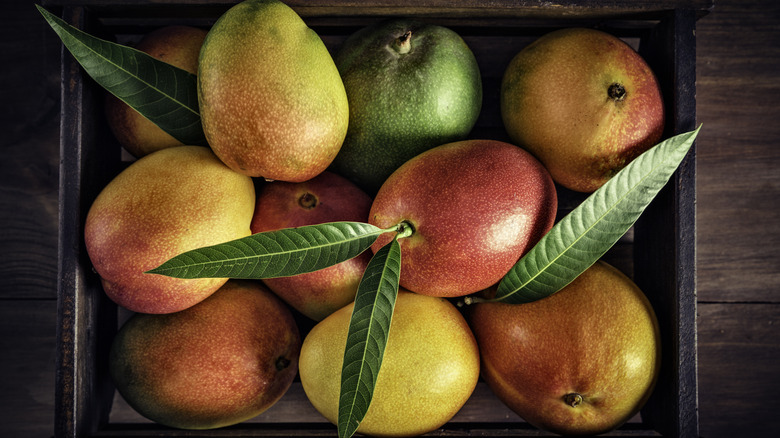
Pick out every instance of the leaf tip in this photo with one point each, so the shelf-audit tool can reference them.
(156, 270)
(45, 12)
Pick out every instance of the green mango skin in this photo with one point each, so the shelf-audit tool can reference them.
(272, 102)
(402, 104)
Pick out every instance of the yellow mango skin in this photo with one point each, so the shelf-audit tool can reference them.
(166, 203)
(271, 98)
(555, 104)
(429, 370)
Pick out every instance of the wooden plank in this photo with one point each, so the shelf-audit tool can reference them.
(738, 158)
(739, 352)
(28, 170)
(87, 317)
(484, 7)
(27, 367)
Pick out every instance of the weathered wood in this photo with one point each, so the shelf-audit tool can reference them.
(29, 164)
(87, 319)
(739, 352)
(27, 367)
(739, 194)
(439, 7)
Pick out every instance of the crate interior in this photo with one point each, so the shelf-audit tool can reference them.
(91, 319)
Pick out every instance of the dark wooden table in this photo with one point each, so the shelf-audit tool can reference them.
(738, 222)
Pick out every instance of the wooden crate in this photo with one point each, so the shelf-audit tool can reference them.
(659, 252)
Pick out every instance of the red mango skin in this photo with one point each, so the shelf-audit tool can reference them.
(327, 197)
(476, 206)
(597, 337)
(218, 363)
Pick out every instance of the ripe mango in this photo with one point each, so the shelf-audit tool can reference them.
(580, 362)
(271, 99)
(168, 202)
(220, 362)
(429, 370)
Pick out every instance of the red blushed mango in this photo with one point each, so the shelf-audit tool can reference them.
(168, 202)
(476, 206)
(580, 362)
(325, 198)
(220, 362)
(584, 103)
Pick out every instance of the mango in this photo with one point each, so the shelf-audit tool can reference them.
(271, 99)
(220, 362)
(168, 202)
(429, 369)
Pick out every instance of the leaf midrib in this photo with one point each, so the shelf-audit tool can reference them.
(586, 232)
(246, 258)
(363, 361)
(158, 90)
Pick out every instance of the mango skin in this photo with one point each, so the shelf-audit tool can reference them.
(220, 362)
(176, 45)
(554, 103)
(272, 102)
(401, 104)
(429, 370)
(597, 337)
(476, 207)
(168, 202)
(325, 198)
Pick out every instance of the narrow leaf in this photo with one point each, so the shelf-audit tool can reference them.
(369, 328)
(584, 235)
(162, 93)
(279, 253)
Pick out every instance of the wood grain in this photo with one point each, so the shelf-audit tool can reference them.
(27, 367)
(738, 155)
(739, 349)
(29, 142)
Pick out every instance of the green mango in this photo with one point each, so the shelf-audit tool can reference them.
(411, 86)
(271, 99)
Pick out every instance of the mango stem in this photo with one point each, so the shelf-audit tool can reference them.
(403, 44)
(307, 201)
(572, 399)
(404, 229)
(616, 92)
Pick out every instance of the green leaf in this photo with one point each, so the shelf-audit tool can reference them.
(279, 253)
(164, 94)
(584, 235)
(369, 329)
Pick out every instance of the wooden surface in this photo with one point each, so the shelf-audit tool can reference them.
(738, 208)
